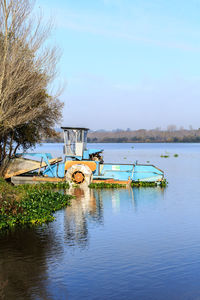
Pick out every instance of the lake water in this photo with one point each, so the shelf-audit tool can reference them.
(114, 244)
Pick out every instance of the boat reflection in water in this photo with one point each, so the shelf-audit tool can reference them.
(89, 204)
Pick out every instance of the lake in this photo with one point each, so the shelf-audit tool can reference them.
(114, 244)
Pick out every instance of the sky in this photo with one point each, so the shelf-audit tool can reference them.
(127, 63)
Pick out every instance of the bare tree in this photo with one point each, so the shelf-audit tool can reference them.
(190, 127)
(171, 128)
(27, 70)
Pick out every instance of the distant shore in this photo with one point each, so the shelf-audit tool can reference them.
(139, 142)
(138, 136)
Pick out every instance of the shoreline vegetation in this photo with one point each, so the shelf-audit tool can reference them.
(138, 184)
(137, 136)
(30, 204)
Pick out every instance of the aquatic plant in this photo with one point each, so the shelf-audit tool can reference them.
(102, 185)
(165, 155)
(29, 204)
(46, 186)
(176, 155)
(143, 184)
(163, 183)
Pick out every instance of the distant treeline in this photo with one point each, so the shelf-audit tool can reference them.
(145, 136)
(138, 136)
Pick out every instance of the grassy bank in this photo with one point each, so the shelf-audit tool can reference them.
(30, 204)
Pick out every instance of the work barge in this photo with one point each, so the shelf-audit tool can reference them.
(79, 165)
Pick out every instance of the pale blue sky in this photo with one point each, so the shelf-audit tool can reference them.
(128, 63)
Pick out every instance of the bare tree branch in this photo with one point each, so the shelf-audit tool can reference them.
(27, 70)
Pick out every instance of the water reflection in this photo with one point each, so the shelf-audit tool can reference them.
(23, 255)
(132, 198)
(87, 206)
(28, 255)
(145, 197)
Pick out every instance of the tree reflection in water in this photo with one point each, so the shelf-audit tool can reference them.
(24, 255)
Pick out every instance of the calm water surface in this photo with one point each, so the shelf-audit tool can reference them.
(114, 244)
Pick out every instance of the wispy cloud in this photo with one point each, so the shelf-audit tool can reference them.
(137, 26)
(117, 34)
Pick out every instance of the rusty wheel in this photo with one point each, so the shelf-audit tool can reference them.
(79, 174)
(78, 177)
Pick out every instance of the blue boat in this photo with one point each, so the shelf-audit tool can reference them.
(83, 166)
